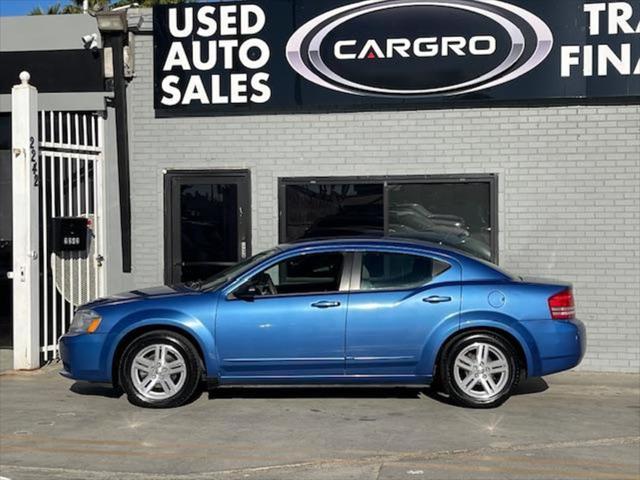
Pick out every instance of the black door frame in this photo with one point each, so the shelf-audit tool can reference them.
(490, 178)
(171, 238)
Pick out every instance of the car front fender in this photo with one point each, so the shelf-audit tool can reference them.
(169, 319)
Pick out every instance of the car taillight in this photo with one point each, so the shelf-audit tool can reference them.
(561, 305)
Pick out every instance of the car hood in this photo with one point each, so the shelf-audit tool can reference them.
(164, 291)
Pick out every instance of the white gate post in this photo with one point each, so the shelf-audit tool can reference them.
(26, 241)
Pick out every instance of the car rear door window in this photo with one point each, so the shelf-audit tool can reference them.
(396, 271)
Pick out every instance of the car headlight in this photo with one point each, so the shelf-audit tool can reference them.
(85, 321)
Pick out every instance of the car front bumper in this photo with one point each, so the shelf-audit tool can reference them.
(83, 357)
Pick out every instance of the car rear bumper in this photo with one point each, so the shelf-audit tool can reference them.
(561, 345)
(82, 358)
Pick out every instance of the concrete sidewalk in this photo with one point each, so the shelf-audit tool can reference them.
(575, 425)
(6, 359)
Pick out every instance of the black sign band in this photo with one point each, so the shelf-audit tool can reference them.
(303, 55)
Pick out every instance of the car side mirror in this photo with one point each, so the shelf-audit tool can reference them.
(247, 294)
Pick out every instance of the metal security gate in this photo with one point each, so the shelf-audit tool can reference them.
(70, 180)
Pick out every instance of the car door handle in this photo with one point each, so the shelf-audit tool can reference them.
(436, 299)
(325, 304)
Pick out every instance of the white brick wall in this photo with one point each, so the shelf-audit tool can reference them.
(569, 185)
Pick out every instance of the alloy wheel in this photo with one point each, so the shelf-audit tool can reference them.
(481, 370)
(158, 372)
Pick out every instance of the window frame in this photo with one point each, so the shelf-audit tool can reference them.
(344, 281)
(356, 270)
(490, 178)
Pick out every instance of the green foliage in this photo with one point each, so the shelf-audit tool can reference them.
(54, 9)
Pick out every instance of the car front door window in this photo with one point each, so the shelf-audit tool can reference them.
(299, 275)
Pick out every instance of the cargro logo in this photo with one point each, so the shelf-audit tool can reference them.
(409, 48)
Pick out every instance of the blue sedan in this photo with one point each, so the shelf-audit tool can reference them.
(348, 311)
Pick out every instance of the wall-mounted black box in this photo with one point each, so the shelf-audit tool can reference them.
(69, 234)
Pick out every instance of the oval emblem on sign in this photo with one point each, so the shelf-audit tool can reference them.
(413, 48)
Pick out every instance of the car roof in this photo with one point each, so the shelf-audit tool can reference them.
(372, 241)
(475, 268)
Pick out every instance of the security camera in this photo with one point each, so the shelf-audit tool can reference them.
(90, 41)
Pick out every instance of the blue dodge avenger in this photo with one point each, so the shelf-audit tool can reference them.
(348, 311)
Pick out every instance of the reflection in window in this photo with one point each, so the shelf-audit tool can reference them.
(333, 210)
(208, 228)
(398, 271)
(456, 214)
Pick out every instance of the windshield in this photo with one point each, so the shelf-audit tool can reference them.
(234, 271)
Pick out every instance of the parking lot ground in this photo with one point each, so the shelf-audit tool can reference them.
(568, 426)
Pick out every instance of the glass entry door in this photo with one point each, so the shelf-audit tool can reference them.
(207, 222)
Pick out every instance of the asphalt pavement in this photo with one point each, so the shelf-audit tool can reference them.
(567, 426)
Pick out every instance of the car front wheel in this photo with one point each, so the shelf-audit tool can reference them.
(160, 369)
(480, 370)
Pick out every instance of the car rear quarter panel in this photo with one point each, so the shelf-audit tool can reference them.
(521, 310)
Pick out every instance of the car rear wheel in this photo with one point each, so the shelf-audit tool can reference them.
(160, 369)
(480, 370)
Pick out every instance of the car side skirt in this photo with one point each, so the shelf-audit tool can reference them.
(369, 380)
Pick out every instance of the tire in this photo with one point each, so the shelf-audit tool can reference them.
(160, 369)
(487, 383)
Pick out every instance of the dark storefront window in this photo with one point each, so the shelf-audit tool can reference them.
(333, 210)
(454, 211)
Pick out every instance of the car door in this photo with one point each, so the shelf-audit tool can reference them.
(397, 301)
(287, 321)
